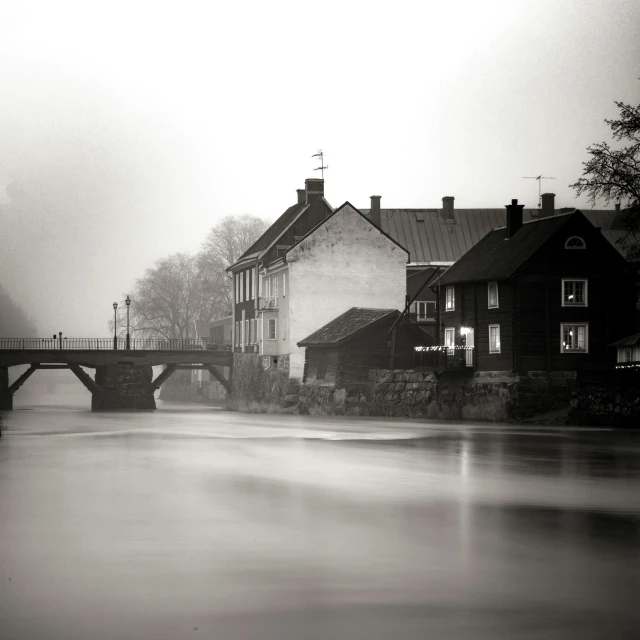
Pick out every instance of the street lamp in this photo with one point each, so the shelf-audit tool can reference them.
(128, 303)
(115, 326)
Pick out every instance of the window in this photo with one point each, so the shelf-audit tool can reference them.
(252, 331)
(449, 337)
(492, 295)
(321, 368)
(627, 355)
(451, 298)
(284, 285)
(237, 333)
(237, 288)
(426, 310)
(265, 287)
(274, 287)
(255, 283)
(494, 338)
(250, 279)
(575, 242)
(271, 328)
(574, 293)
(574, 338)
(246, 332)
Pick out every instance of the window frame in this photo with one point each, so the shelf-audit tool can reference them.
(570, 238)
(452, 288)
(497, 304)
(585, 281)
(450, 331)
(284, 284)
(426, 317)
(275, 328)
(574, 325)
(492, 349)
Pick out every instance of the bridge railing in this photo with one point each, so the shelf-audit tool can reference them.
(107, 344)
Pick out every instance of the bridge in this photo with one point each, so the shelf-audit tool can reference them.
(123, 368)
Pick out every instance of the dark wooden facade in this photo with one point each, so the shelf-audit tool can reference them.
(347, 365)
(530, 311)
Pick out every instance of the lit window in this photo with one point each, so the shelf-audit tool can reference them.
(426, 310)
(449, 337)
(575, 242)
(494, 338)
(574, 293)
(574, 338)
(627, 355)
(451, 298)
(271, 335)
(493, 295)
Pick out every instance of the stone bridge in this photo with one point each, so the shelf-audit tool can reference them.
(123, 376)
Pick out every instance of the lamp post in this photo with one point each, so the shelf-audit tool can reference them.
(128, 303)
(115, 326)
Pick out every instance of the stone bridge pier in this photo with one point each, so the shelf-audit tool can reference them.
(6, 397)
(123, 387)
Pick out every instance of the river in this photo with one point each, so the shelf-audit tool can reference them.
(194, 522)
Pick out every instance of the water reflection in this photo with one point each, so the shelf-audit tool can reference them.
(150, 525)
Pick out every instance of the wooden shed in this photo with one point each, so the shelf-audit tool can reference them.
(341, 353)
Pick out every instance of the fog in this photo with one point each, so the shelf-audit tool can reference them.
(129, 129)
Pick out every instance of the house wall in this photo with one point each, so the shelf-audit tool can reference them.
(280, 345)
(244, 307)
(635, 354)
(346, 263)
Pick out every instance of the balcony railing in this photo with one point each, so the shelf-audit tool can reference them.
(441, 358)
(270, 302)
(106, 344)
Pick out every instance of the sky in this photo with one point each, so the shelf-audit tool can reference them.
(127, 130)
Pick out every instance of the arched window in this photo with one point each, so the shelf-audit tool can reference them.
(575, 242)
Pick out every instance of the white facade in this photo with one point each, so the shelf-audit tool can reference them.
(346, 262)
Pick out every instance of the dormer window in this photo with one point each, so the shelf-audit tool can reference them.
(575, 242)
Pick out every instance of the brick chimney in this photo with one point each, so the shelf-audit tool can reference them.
(375, 210)
(447, 208)
(314, 188)
(302, 195)
(514, 218)
(548, 205)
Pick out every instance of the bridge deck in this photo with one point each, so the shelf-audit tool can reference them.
(101, 357)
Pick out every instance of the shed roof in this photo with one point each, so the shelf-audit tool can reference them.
(345, 326)
(628, 341)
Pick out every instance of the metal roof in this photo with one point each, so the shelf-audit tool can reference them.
(429, 238)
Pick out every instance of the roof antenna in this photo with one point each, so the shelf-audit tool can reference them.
(539, 179)
(322, 166)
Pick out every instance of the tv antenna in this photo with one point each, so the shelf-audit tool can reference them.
(322, 166)
(539, 179)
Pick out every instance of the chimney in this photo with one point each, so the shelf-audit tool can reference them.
(617, 207)
(514, 218)
(314, 188)
(302, 195)
(548, 205)
(375, 210)
(447, 207)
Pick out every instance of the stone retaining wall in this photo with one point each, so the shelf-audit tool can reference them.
(491, 395)
(614, 402)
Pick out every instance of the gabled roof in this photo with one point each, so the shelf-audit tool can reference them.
(430, 239)
(496, 258)
(344, 327)
(333, 213)
(271, 234)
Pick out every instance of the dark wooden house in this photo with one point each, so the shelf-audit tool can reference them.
(545, 295)
(341, 353)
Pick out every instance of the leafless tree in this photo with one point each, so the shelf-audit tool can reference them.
(614, 174)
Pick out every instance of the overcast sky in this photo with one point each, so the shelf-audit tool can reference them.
(128, 129)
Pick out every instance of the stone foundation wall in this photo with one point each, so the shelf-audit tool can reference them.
(614, 402)
(492, 395)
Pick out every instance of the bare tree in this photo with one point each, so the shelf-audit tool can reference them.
(614, 174)
(225, 243)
